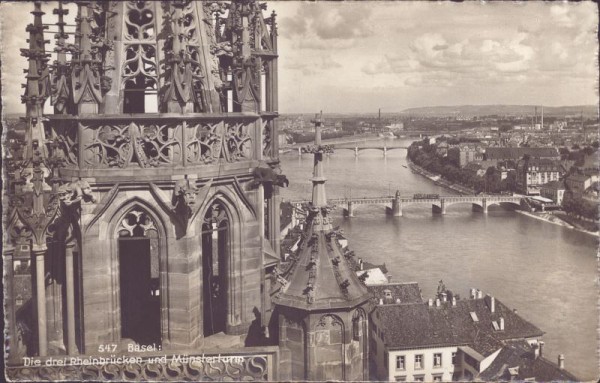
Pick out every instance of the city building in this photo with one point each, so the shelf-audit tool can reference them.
(533, 173)
(579, 183)
(517, 153)
(448, 338)
(465, 154)
(520, 361)
(554, 190)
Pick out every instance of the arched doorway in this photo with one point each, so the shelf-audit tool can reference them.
(139, 277)
(215, 257)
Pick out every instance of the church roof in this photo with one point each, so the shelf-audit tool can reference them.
(319, 276)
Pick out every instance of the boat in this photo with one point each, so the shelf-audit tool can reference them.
(404, 166)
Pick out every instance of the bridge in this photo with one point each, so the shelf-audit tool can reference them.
(395, 204)
(357, 147)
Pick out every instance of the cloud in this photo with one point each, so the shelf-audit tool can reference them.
(312, 65)
(321, 26)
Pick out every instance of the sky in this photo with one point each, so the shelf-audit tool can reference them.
(359, 56)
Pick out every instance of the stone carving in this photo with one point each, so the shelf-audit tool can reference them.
(237, 142)
(267, 139)
(183, 200)
(71, 194)
(204, 143)
(136, 223)
(268, 177)
(115, 145)
(247, 368)
(329, 321)
(62, 143)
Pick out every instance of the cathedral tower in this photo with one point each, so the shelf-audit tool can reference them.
(322, 304)
(136, 213)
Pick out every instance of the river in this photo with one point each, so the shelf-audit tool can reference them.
(547, 272)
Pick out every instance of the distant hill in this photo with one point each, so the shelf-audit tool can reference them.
(589, 111)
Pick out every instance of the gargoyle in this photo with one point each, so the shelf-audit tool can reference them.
(73, 193)
(268, 177)
(183, 200)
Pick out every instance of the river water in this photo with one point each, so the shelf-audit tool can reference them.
(547, 272)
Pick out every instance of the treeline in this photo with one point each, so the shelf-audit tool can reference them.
(425, 155)
(579, 207)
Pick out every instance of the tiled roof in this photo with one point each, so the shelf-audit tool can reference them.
(407, 293)
(518, 153)
(519, 357)
(418, 325)
(319, 275)
(542, 165)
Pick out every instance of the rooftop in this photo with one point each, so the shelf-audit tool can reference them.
(419, 325)
(520, 358)
(409, 292)
(518, 153)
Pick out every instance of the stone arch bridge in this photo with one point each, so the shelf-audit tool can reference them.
(395, 204)
(358, 147)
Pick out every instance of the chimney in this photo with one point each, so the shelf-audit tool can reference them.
(540, 348)
(491, 301)
(437, 302)
(561, 361)
(453, 301)
(430, 302)
(501, 324)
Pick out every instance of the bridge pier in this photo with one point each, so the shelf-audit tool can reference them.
(350, 209)
(397, 205)
(481, 208)
(439, 209)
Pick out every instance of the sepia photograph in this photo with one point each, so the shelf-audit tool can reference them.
(246, 190)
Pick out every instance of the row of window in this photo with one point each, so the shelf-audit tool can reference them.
(418, 378)
(419, 361)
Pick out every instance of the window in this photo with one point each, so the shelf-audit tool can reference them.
(400, 362)
(418, 362)
(400, 378)
(454, 360)
(437, 360)
(419, 378)
(437, 378)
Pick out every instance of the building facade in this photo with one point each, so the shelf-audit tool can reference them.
(443, 339)
(533, 173)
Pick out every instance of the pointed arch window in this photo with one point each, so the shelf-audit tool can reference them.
(215, 256)
(139, 277)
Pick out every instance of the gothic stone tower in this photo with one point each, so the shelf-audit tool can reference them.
(144, 210)
(321, 303)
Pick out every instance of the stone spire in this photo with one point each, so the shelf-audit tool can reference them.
(319, 198)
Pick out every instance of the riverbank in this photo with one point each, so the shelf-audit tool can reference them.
(437, 179)
(542, 216)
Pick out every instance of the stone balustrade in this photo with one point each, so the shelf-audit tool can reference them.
(105, 142)
(248, 364)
